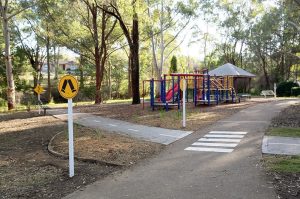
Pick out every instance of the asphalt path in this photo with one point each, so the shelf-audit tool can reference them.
(182, 172)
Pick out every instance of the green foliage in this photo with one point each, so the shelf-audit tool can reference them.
(173, 67)
(287, 164)
(89, 92)
(284, 89)
(57, 98)
(2, 102)
(295, 91)
(285, 132)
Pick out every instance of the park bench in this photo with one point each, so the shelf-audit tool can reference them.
(266, 93)
(44, 107)
(244, 96)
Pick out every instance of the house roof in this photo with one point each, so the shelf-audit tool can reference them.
(230, 70)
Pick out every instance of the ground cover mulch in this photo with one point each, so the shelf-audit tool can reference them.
(106, 147)
(27, 170)
(287, 184)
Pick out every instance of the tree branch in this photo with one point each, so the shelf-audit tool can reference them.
(17, 12)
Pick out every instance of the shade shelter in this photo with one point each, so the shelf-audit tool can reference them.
(242, 78)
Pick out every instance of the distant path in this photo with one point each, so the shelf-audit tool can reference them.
(153, 134)
(186, 170)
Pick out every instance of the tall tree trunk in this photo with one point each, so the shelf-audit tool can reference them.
(266, 75)
(129, 75)
(162, 43)
(135, 61)
(97, 57)
(98, 76)
(154, 59)
(81, 72)
(109, 79)
(56, 61)
(36, 65)
(11, 95)
(48, 68)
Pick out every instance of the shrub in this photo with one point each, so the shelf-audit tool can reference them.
(173, 67)
(57, 98)
(89, 92)
(28, 98)
(295, 91)
(3, 102)
(284, 89)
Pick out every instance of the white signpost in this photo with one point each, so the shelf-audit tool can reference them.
(71, 142)
(275, 88)
(39, 89)
(68, 88)
(183, 104)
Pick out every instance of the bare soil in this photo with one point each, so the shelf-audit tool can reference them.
(287, 184)
(27, 170)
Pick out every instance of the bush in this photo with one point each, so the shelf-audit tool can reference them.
(295, 91)
(28, 98)
(3, 102)
(284, 89)
(89, 92)
(85, 94)
(57, 98)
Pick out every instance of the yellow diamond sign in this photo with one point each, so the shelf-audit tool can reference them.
(38, 89)
(68, 86)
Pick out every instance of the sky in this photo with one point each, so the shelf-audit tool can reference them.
(195, 50)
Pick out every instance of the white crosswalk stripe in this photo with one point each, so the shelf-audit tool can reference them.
(223, 136)
(229, 132)
(218, 141)
(214, 144)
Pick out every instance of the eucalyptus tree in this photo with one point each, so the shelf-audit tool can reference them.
(167, 20)
(119, 10)
(85, 29)
(8, 10)
(30, 41)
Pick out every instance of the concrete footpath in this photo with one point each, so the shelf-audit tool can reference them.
(153, 134)
(189, 168)
(281, 145)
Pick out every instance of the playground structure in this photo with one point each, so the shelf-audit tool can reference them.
(205, 89)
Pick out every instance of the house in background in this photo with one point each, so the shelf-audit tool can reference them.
(64, 65)
(68, 65)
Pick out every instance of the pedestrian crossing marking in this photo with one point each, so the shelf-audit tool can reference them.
(217, 141)
(223, 136)
(214, 144)
(222, 150)
(229, 132)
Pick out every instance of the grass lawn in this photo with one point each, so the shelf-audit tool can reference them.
(286, 164)
(284, 132)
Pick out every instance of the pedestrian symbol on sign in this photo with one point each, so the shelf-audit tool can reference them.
(68, 81)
